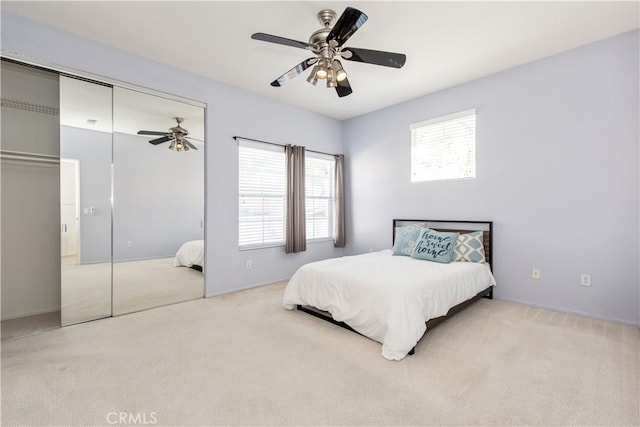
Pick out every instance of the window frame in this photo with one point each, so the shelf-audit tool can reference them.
(449, 124)
(266, 146)
(244, 143)
(330, 198)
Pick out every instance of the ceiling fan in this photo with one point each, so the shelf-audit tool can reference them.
(177, 136)
(328, 44)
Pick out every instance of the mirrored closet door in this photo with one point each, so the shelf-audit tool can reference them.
(129, 201)
(158, 201)
(85, 199)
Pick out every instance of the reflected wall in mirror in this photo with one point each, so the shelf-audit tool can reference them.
(158, 202)
(85, 200)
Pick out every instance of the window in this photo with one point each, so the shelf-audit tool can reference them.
(319, 173)
(444, 148)
(262, 195)
(262, 189)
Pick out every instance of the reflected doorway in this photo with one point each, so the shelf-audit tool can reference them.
(69, 192)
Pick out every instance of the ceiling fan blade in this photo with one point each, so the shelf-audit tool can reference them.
(150, 132)
(280, 40)
(348, 23)
(160, 140)
(343, 88)
(294, 71)
(376, 57)
(186, 142)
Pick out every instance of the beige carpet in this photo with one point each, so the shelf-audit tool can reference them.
(242, 359)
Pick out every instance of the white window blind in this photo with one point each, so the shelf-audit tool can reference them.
(319, 177)
(444, 148)
(262, 189)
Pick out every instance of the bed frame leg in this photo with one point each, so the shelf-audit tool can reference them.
(412, 352)
(489, 295)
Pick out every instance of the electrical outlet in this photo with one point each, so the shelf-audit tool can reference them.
(248, 264)
(535, 273)
(585, 279)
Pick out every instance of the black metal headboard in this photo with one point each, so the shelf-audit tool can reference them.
(456, 226)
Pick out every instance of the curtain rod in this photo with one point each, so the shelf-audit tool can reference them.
(281, 145)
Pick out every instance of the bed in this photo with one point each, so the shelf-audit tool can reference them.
(392, 296)
(190, 254)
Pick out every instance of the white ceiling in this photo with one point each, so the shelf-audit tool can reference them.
(446, 43)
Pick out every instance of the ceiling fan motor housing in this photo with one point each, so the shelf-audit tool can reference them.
(327, 17)
(318, 39)
(178, 131)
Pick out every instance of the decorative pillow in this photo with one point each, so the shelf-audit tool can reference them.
(406, 238)
(469, 248)
(435, 246)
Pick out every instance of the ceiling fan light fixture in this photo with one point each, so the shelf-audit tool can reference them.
(324, 68)
(339, 72)
(313, 78)
(176, 135)
(331, 79)
(321, 73)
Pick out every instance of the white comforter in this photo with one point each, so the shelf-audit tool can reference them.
(385, 297)
(190, 253)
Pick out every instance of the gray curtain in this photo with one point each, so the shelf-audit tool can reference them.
(338, 182)
(296, 233)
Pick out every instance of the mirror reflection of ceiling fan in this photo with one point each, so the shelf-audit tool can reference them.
(328, 44)
(177, 136)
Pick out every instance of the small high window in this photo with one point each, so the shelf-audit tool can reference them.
(444, 148)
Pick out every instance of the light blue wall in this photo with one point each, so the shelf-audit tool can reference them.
(557, 172)
(158, 198)
(558, 157)
(230, 112)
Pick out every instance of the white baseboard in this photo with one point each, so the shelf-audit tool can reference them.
(244, 288)
(573, 312)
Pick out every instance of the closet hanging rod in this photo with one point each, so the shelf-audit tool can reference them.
(29, 157)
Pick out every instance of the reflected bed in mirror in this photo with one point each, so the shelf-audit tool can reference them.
(190, 254)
